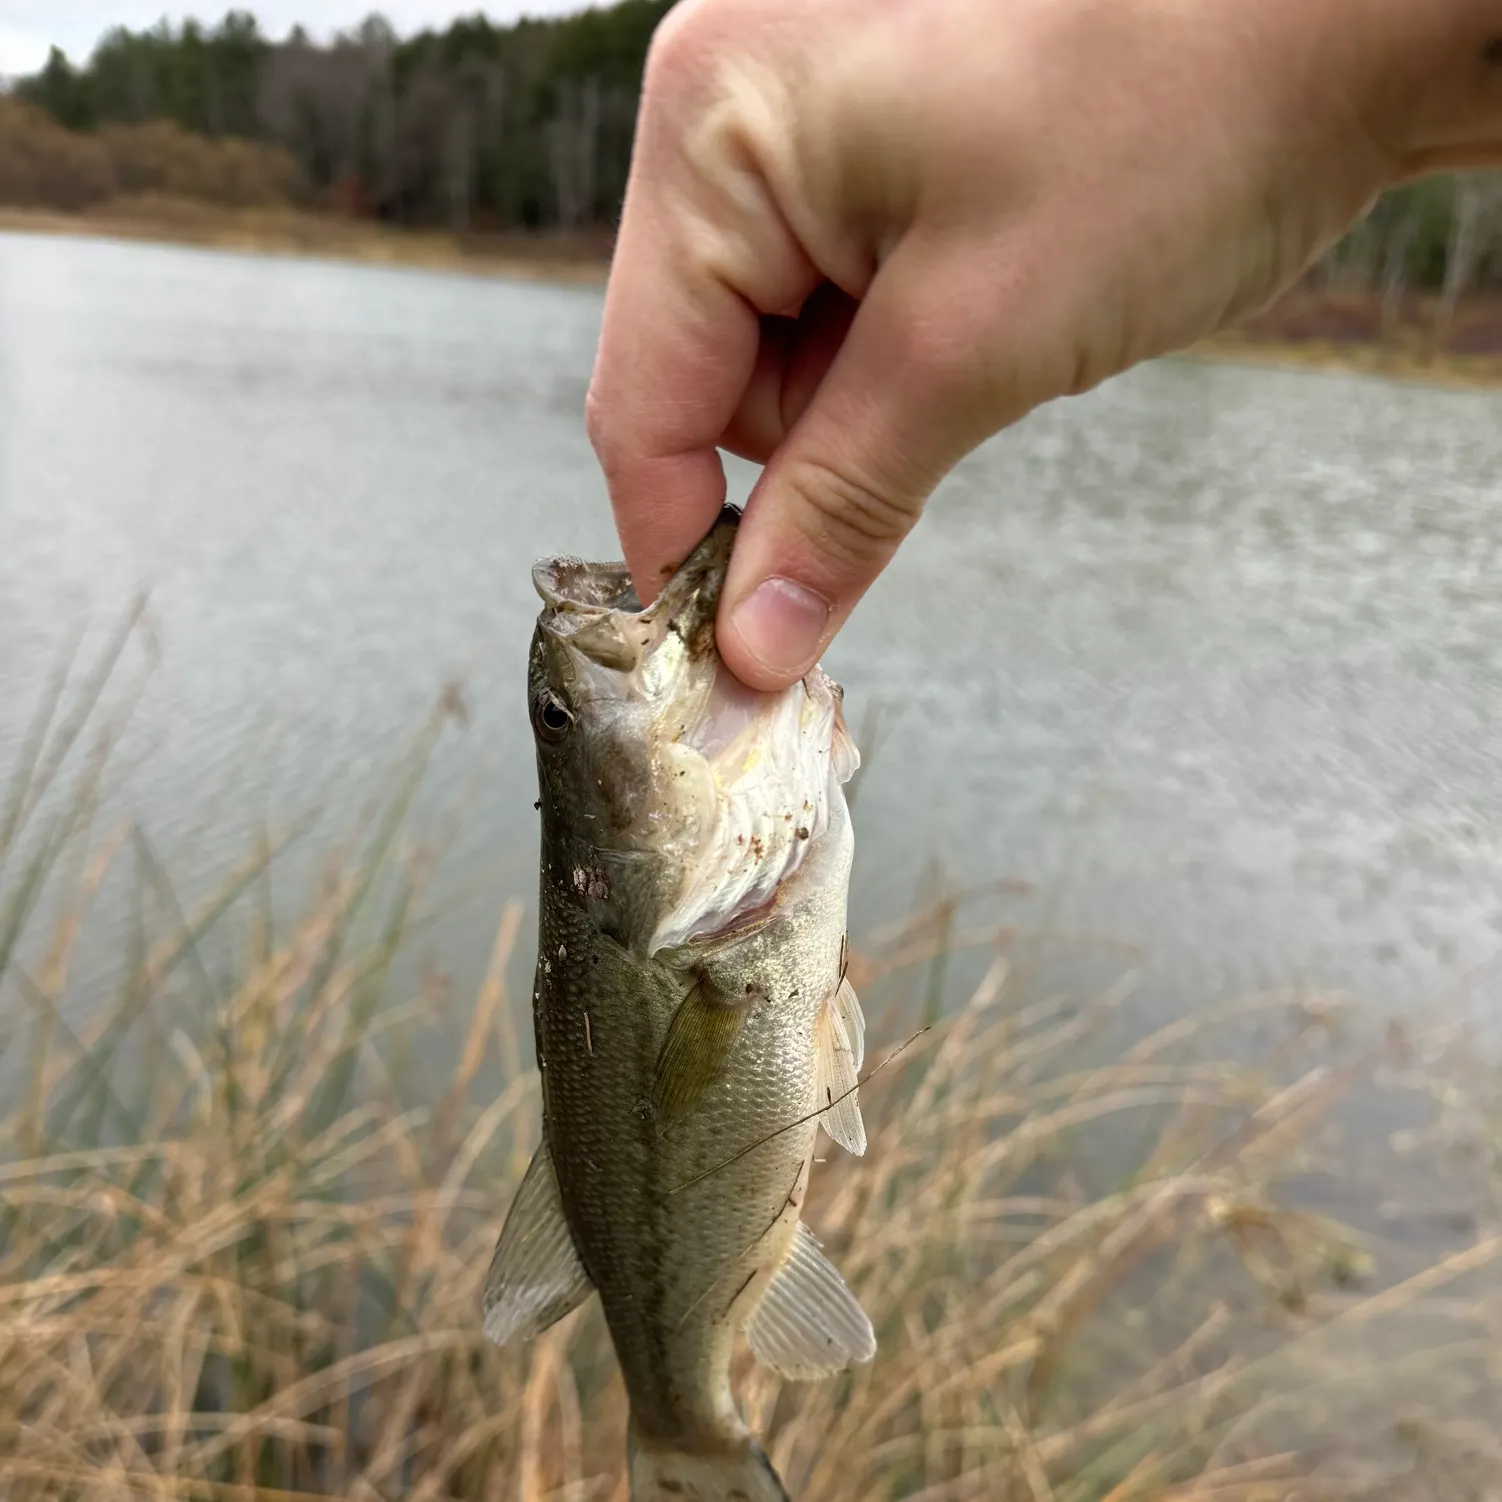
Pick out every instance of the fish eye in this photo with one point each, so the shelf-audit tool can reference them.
(552, 718)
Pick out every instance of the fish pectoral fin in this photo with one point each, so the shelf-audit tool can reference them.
(848, 1005)
(536, 1276)
(809, 1324)
(696, 1051)
(837, 1071)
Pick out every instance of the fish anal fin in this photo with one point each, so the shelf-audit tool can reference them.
(836, 1074)
(535, 1276)
(696, 1051)
(808, 1323)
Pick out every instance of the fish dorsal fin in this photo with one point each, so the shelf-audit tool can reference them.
(696, 1051)
(536, 1276)
(838, 1063)
(809, 1324)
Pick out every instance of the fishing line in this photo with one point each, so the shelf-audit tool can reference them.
(802, 1120)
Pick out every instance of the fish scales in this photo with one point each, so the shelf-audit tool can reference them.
(668, 1236)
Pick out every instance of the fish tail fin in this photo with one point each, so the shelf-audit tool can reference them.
(667, 1475)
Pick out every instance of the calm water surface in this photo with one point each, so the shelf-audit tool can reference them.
(1212, 656)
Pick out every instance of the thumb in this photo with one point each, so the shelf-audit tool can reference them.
(844, 488)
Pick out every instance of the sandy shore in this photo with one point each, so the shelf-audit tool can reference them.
(584, 259)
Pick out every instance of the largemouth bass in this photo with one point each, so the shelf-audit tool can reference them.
(693, 1022)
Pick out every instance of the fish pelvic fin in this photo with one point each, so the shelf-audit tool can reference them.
(738, 1474)
(696, 1051)
(842, 1047)
(536, 1276)
(808, 1324)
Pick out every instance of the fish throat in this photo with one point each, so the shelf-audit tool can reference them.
(770, 764)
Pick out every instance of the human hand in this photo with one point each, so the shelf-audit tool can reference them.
(862, 236)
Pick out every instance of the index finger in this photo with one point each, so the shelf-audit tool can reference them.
(701, 253)
(676, 351)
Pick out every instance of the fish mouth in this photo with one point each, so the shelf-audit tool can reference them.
(573, 585)
(595, 608)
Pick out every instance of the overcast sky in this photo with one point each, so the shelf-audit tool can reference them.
(29, 27)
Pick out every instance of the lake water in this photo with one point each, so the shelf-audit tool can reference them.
(1212, 656)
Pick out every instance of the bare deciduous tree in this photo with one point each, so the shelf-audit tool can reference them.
(573, 150)
(1476, 216)
(313, 100)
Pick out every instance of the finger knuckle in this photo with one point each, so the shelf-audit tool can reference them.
(682, 46)
(601, 429)
(595, 421)
(852, 521)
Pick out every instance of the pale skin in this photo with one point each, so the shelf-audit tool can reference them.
(862, 236)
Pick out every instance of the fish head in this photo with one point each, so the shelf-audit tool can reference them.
(686, 800)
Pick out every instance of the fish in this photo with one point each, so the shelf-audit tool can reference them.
(695, 1027)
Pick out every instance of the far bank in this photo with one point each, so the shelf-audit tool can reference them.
(553, 256)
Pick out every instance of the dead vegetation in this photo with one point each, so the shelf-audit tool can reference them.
(45, 166)
(1409, 335)
(242, 1240)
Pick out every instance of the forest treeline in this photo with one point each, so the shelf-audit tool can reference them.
(479, 126)
(485, 127)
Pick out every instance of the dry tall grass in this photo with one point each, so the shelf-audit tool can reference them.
(241, 1249)
(44, 165)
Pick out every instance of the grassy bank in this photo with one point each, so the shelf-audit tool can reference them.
(1408, 337)
(242, 1242)
(290, 231)
(1398, 360)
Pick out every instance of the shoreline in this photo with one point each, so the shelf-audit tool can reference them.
(583, 260)
(1327, 357)
(554, 258)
